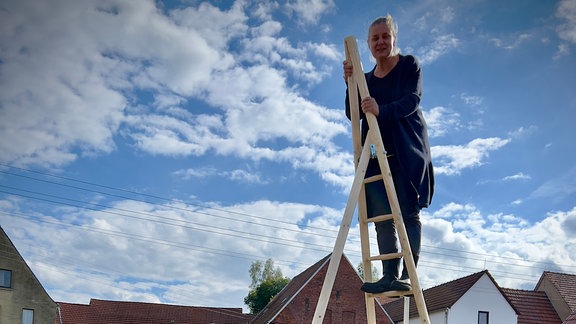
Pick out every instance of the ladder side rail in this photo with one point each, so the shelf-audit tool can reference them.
(362, 214)
(355, 119)
(362, 224)
(366, 262)
(341, 239)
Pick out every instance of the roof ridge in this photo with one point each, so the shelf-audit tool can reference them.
(105, 301)
(515, 289)
(560, 273)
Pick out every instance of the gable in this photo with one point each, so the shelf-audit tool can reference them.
(447, 295)
(13, 260)
(296, 303)
(485, 295)
(289, 292)
(26, 291)
(562, 285)
(437, 298)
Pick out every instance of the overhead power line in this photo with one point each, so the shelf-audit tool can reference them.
(171, 204)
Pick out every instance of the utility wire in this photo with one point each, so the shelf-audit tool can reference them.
(207, 207)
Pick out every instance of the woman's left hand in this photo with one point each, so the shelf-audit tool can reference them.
(369, 105)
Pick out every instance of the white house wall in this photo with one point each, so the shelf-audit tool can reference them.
(483, 296)
(435, 318)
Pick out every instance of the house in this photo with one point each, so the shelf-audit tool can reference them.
(22, 296)
(119, 312)
(476, 298)
(296, 303)
(561, 290)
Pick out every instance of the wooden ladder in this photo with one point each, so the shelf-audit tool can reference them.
(373, 142)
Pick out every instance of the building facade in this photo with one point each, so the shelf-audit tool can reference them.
(22, 297)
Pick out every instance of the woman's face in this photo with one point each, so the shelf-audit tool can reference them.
(380, 41)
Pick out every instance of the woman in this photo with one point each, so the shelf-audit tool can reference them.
(395, 86)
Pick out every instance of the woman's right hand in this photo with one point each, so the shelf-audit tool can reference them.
(347, 66)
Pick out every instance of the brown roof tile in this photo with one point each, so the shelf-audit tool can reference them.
(533, 307)
(565, 284)
(118, 312)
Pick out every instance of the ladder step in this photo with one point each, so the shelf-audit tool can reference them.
(394, 293)
(380, 218)
(388, 256)
(373, 178)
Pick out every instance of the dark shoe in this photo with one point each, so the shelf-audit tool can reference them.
(379, 286)
(404, 276)
(401, 284)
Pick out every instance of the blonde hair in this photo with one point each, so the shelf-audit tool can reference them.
(392, 27)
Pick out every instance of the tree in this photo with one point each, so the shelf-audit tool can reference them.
(267, 282)
(360, 270)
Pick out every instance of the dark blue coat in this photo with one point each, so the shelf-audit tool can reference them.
(403, 128)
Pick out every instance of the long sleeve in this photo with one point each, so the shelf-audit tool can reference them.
(402, 125)
(408, 90)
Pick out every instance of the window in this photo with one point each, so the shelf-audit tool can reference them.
(5, 278)
(27, 316)
(483, 317)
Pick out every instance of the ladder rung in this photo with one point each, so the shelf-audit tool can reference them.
(380, 218)
(373, 178)
(388, 256)
(394, 293)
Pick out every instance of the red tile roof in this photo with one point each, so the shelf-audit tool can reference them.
(119, 312)
(533, 307)
(565, 285)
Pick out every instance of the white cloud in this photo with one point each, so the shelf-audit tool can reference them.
(442, 45)
(452, 159)
(176, 240)
(133, 250)
(517, 176)
(238, 175)
(513, 42)
(523, 132)
(471, 100)
(310, 11)
(441, 120)
(567, 11)
(460, 240)
(563, 50)
(72, 90)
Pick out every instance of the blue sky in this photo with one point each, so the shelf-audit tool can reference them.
(151, 151)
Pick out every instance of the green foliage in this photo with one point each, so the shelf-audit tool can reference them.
(267, 282)
(263, 293)
(262, 271)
